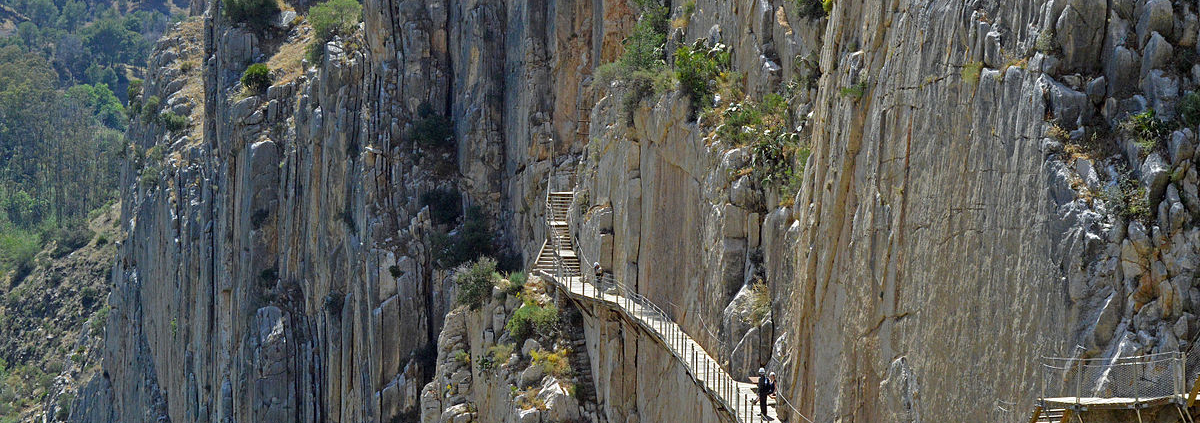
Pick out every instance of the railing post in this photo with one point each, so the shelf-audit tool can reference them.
(1180, 374)
(1079, 380)
(1137, 385)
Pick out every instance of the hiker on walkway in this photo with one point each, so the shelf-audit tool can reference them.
(598, 270)
(766, 387)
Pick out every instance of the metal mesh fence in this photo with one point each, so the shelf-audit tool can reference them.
(1131, 379)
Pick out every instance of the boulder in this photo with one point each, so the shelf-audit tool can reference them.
(1157, 16)
(532, 375)
(1097, 89)
(530, 345)
(1179, 147)
(1119, 70)
(1070, 107)
(743, 194)
(992, 56)
(1156, 55)
(1080, 32)
(1156, 173)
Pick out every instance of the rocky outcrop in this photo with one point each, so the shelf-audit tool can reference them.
(483, 375)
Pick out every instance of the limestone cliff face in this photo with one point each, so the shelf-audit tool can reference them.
(951, 224)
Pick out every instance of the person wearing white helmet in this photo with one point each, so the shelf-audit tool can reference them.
(766, 387)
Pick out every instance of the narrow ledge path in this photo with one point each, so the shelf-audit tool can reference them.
(559, 263)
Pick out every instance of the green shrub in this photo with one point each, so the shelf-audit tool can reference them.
(155, 154)
(149, 176)
(971, 71)
(462, 357)
(827, 5)
(99, 319)
(1045, 41)
(268, 275)
(187, 66)
(1126, 198)
(532, 319)
(697, 68)
(431, 129)
(475, 282)
(174, 122)
(18, 247)
(855, 91)
(555, 363)
(811, 9)
(256, 78)
(777, 155)
(1189, 109)
(64, 406)
(315, 52)
(69, 238)
(1147, 129)
(150, 109)
(329, 19)
(335, 17)
(134, 89)
(88, 296)
(252, 12)
(642, 64)
(445, 205)
(472, 241)
(516, 282)
(1185, 59)
(644, 46)
(501, 352)
(643, 84)
(394, 270)
(760, 303)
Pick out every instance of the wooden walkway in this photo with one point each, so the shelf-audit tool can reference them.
(559, 263)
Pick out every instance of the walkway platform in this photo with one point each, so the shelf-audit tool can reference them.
(703, 368)
(559, 263)
(1111, 403)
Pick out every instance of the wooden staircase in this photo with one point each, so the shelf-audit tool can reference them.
(558, 203)
(1050, 415)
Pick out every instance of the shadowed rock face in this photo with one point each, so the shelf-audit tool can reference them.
(956, 219)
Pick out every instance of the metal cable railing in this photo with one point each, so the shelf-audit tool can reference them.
(730, 395)
(1135, 379)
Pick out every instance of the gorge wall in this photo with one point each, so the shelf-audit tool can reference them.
(955, 220)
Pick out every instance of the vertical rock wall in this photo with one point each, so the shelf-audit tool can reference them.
(279, 263)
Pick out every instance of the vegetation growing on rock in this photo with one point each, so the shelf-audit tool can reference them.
(251, 12)
(475, 281)
(257, 78)
(532, 319)
(431, 129)
(329, 19)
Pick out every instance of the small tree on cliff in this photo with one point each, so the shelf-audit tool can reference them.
(251, 12)
(475, 281)
(329, 19)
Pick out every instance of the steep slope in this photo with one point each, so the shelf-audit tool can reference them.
(51, 325)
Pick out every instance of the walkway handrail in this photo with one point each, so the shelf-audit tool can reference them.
(1141, 378)
(718, 383)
